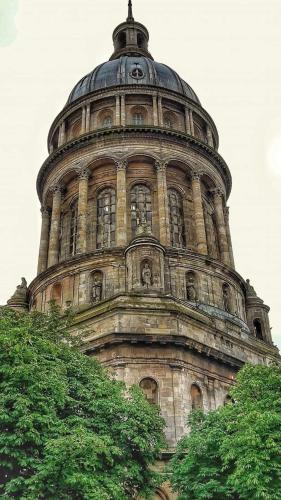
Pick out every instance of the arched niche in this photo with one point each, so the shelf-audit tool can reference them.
(149, 387)
(226, 297)
(258, 329)
(96, 286)
(192, 286)
(196, 397)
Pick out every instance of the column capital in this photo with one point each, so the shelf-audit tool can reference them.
(217, 193)
(45, 211)
(196, 174)
(83, 173)
(161, 165)
(121, 164)
(57, 188)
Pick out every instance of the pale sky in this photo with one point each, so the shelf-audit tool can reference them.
(227, 50)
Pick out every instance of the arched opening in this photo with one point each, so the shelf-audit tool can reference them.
(196, 397)
(258, 331)
(150, 389)
(140, 41)
(106, 209)
(141, 209)
(176, 219)
(56, 293)
(121, 40)
(73, 228)
(138, 115)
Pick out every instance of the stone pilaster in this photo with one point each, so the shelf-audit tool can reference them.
(61, 138)
(83, 122)
(163, 206)
(155, 111)
(117, 111)
(53, 253)
(221, 227)
(121, 203)
(228, 234)
(83, 175)
(44, 240)
(123, 110)
(88, 118)
(200, 229)
(187, 121)
(160, 111)
(191, 122)
(210, 137)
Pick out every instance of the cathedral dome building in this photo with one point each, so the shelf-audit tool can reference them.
(135, 235)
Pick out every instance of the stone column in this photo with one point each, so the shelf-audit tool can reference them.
(228, 234)
(117, 111)
(187, 121)
(163, 204)
(53, 254)
(61, 139)
(123, 110)
(121, 204)
(83, 122)
(199, 214)
(221, 227)
(155, 111)
(191, 122)
(88, 118)
(44, 240)
(210, 137)
(83, 175)
(160, 111)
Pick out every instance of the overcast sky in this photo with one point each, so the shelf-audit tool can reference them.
(227, 50)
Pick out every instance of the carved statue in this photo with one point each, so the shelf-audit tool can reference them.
(146, 275)
(250, 291)
(19, 298)
(191, 289)
(142, 226)
(97, 289)
(226, 299)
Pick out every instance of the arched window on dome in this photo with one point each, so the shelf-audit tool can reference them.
(106, 209)
(141, 209)
(177, 230)
(258, 330)
(107, 121)
(73, 228)
(196, 397)
(150, 389)
(56, 293)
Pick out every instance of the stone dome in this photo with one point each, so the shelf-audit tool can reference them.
(131, 70)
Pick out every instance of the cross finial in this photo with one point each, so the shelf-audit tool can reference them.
(130, 12)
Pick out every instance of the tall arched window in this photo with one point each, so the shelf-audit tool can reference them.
(196, 397)
(150, 390)
(141, 210)
(176, 219)
(106, 208)
(73, 228)
(258, 329)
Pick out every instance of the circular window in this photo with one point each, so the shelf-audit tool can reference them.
(137, 72)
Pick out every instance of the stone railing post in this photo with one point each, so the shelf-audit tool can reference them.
(200, 229)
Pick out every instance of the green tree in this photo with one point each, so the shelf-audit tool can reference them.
(67, 429)
(235, 451)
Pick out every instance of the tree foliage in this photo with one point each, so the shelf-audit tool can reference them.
(67, 429)
(235, 451)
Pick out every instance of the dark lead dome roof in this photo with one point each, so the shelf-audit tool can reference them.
(130, 70)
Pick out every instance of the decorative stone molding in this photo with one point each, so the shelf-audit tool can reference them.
(161, 165)
(121, 164)
(83, 173)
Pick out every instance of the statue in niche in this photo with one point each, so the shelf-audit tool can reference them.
(226, 298)
(19, 298)
(97, 289)
(146, 275)
(142, 225)
(191, 288)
